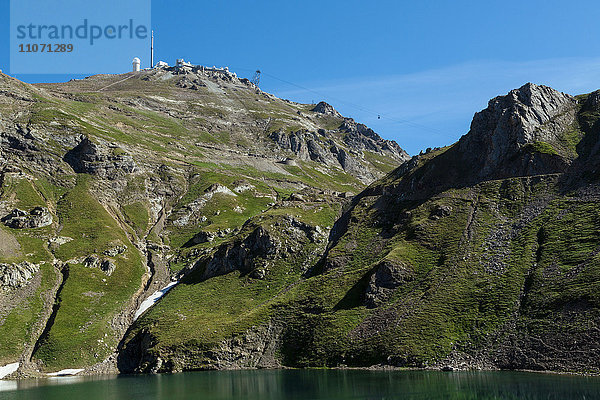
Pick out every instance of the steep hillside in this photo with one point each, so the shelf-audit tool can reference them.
(483, 254)
(114, 185)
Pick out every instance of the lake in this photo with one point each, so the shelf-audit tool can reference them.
(309, 384)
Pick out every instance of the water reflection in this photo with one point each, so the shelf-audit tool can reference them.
(310, 384)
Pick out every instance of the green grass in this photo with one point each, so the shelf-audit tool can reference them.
(137, 216)
(543, 147)
(87, 222)
(455, 297)
(82, 333)
(16, 328)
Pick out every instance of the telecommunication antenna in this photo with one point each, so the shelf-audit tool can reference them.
(256, 78)
(152, 51)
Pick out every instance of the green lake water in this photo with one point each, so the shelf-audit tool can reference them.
(309, 384)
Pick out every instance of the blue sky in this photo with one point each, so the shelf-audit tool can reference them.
(424, 66)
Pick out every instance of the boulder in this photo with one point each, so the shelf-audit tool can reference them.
(13, 276)
(105, 265)
(440, 211)
(115, 251)
(36, 218)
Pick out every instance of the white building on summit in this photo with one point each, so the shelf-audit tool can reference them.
(136, 64)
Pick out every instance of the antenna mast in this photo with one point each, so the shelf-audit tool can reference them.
(256, 78)
(152, 51)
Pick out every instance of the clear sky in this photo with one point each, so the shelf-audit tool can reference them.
(423, 66)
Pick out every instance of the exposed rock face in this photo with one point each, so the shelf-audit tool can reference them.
(298, 143)
(14, 276)
(243, 256)
(525, 116)
(107, 266)
(387, 277)
(257, 348)
(102, 160)
(36, 218)
(311, 146)
(256, 249)
(359, 136)
(321, 147)
(25, 144)
(523, 133)
(327, 109)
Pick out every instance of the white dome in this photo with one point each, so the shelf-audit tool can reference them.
(136, 60)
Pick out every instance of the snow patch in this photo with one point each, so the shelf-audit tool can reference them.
(154, 297)
(8, 369)
(66, 372)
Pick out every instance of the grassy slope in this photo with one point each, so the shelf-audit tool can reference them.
(458, 299)
(512, 253)
(81, 333)
(16, 326)
(178, 320)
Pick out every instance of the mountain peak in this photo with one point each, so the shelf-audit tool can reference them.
(523, 133)
(327, 109)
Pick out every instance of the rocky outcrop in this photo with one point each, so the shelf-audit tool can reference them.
(36, 218)
(105, 265)
(524, 133)
(24, 146)
(115, 251)
(13, 276)
(209, 236)
(104, 160)
(320, 147)
(503, 137)
(245, 255)
(360, 137)
(257, 348)
(310, 146)
(440, 211)
(387, 276)
(256, 248)
(326, 109)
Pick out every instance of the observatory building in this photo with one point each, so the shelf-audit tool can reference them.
(136, 64)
